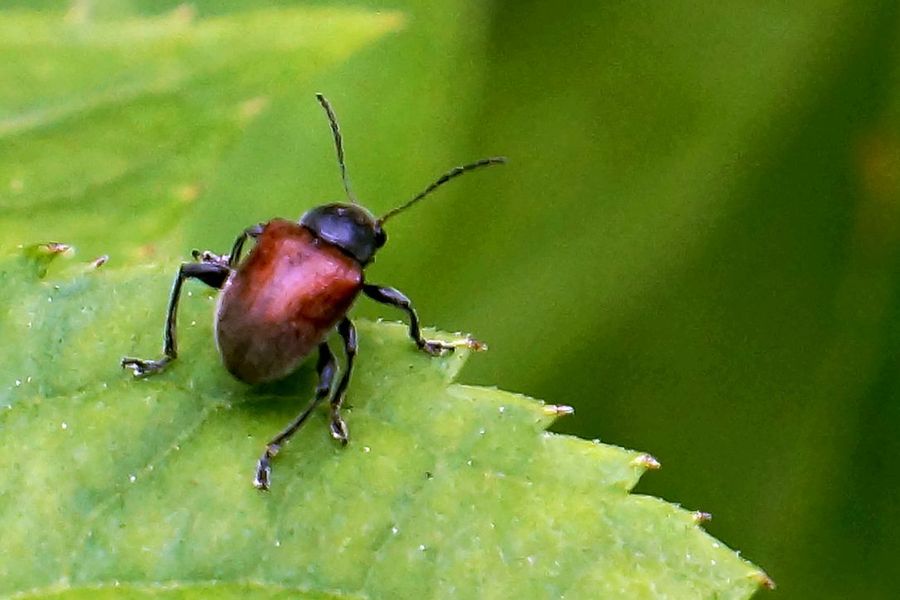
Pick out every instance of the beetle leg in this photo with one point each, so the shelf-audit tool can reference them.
(253, 231)
(210, 273)
(393, 297)
(210, 257)
(326, 367)
(226, 259)
(338, 428)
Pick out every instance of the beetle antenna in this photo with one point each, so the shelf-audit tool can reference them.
(338, 144)
(454, 172)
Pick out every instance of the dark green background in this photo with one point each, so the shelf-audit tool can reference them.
(695, 242)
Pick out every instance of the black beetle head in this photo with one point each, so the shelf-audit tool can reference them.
(350, 227)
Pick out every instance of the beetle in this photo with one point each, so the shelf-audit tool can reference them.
(293, 289)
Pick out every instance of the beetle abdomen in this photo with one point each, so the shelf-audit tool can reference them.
(282, 302)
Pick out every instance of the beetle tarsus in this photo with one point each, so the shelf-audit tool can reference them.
(440, 347)
(264, 468)
(339, 428)
(436, 347)
(144, 368)
(261, 481)
(210, 257)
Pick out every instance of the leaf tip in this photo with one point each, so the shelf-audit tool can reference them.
(39, 256)
(558, 410)
(51, 249)
(701, 517)
(762, 580)
(646, 461)
(468, 342)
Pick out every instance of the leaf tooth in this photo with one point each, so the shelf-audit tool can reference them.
(558, 410)
(55, 248)
(41, 255)
(700, 517)
(646, 461)
(475, 345)
(468, 342)
(763, 580)
(555, 411)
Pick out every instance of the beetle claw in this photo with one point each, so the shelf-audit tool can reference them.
(143, 368)
(264, 468)
(339, 430)
(263, 476)
(210, 257)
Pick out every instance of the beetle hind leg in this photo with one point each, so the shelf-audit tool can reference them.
(210, 273)
(326, 367)
(338, 427)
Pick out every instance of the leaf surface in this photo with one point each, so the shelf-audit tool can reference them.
(112, 485)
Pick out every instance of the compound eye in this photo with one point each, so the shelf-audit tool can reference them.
(380, 237)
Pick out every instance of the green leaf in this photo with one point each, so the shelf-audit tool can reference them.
(142, 487)
(127, 119)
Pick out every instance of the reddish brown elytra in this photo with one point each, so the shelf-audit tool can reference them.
(295, 286)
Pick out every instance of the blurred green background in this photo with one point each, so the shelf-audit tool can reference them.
(695, 242)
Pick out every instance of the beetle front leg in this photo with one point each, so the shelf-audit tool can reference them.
(254, 231)
(393, 297)
(326, 367)
(210, 273)
(229, 260)
(210, 257)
